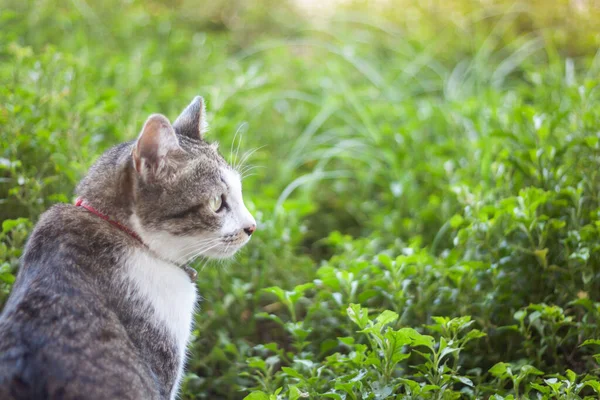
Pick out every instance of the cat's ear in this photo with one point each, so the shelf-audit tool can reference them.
(192, 121)
(154, 145)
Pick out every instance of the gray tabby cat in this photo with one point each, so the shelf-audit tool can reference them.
(102, 307)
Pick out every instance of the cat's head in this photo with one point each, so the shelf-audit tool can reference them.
(187, 201)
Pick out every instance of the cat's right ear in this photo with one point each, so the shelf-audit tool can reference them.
(192, 121)
(154, 145)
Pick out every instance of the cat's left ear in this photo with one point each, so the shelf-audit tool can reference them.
(192, 121)
(154, 149)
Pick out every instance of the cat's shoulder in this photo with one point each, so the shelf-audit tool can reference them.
(67, 223)
(63, 215)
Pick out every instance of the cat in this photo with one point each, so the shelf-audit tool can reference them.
(102, 306)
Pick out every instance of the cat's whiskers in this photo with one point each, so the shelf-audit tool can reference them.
(199, 242)
(225, 266)
(153, 241)
(238, 145)
(237, 150)
(225, 251)
(249, 168)
(190, 258)
(200, 253)
(246, 156)
(204, 264)
(246, 176)
(203, 246)
(245, 173)
(189, 255)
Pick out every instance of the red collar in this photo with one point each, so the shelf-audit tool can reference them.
(81, 203)
(191, 272)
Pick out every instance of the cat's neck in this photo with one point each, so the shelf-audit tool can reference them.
(108, 187)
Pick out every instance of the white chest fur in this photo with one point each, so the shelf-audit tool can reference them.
(170, 293)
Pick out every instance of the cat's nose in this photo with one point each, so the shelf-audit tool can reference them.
(250, 229)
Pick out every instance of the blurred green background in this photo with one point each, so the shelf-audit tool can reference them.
(420, 159)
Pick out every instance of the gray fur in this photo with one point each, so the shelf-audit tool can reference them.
(192, 121)
(72, 327)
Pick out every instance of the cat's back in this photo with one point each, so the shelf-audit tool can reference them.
(58, 338)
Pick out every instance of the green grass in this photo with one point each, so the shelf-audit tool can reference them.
(426, 184)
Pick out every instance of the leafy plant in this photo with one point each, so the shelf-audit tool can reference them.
(425, 176)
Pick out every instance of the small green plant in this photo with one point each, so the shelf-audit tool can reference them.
(12, 240)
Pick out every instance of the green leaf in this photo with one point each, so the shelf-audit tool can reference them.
(299, 291)
(553, 383)
(348, 340)
(277, 291)
(429, 388)
(456, 221)
(472, 335)
(529, 370)
(463, 380)
(259, 395)
(520, 315)
(293, 373)
(382, 391)
(347, 387)
(500, 370)
(590, 342)
(10, 224)
(385, 260)
(441, 320)
(358, 315)
(540, 388)
(361, 374)
(7, 277)
(293, 393)
(386, 317)
(418, 339)
(257, 363)
(572, 376)
(595, 385)
(411, 385)
(446, 351)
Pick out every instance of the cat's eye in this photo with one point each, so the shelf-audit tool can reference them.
(216, 203)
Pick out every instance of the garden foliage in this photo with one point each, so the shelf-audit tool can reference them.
(426, 178)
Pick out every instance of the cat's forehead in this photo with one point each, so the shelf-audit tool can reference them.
(204, 162)
(201, 151)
